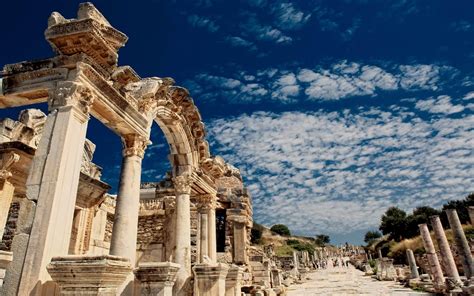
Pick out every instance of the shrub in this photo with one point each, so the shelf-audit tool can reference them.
(281, 229)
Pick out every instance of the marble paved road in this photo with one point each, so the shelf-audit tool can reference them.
(347, 281)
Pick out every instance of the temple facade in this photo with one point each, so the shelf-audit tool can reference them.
(62, 232)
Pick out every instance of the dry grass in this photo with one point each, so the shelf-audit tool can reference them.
(416, 244)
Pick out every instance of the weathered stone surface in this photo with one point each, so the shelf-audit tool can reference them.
(156, 278)
(89, 275)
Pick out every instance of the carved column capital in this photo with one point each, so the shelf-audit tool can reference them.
(182, 184)
(6, 162)
(74, 94)
(206, 202)
(134, 145)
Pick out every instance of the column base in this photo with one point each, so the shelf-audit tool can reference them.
(5, 259)
(156, 278)
(233, 281)
(209, 279)
(89, 275)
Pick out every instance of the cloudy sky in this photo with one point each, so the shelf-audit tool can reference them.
(333, 110)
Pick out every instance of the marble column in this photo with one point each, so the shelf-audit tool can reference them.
(6, 188)
(53, 182)
(124, 233)
(461, 243)
(182, 251)
(435, 267)
(445, 252)
(203, 234)
(212, 239)
(412, 263)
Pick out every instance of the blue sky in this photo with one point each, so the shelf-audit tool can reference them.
(333, 110)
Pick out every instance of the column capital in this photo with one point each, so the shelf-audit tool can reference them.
(134, 145)
(206, 202)
(72, 94)
(182, 184)
(6, 162)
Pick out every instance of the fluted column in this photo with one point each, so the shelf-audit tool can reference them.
(6, 188)
(53, 182)
(461, 243)
(182, 251)
(445, 251)
(435, 267)
(212, 240)
(124, 233)
(203, 234)
(412, 263)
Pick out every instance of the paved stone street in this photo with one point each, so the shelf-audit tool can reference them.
(347, 281)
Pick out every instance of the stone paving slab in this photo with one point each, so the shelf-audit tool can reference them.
(347, 281)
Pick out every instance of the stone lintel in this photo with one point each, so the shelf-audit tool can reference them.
(91, 275)
(22, 86)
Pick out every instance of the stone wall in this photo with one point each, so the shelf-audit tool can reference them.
(150, 229)
(10, 227)
(108, 228)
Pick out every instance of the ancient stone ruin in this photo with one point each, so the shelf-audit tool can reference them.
(62, 232)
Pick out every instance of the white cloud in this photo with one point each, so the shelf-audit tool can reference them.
(241, 42)
(203, 22)
(289, 17)
(341, 170)
(264, 32)
(441, 104)
(338, 81)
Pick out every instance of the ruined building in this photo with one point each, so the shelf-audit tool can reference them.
(62, 233)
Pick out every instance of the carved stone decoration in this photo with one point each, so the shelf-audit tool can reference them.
(134, 145)
(206, 202)
(88, 167)
(149, 92)
(35, 120)
(6, 162)
(182, 184)
(69, 93)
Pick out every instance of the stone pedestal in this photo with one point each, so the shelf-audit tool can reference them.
(89, 275)
(435, 267)
(445, 253)
(156, 278)
(5, 259)
(461, 243)
(209, 279)
(233, 281)
(412, 263)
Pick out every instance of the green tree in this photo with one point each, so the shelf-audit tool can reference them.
(322, 239)
(370, 236)
(420, 215)
(394, 223)
(281, 229)
(461, 206)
